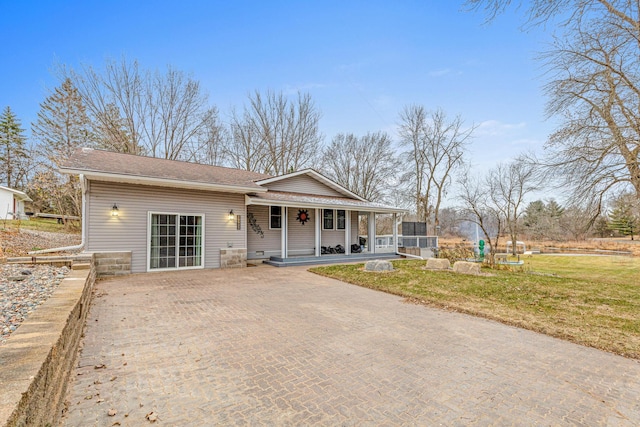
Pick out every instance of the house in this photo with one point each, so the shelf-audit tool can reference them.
(178, 215)
(12, 203)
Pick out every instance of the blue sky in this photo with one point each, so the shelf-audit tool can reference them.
(362, 62)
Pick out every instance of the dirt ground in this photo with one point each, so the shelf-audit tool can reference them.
(19, 242)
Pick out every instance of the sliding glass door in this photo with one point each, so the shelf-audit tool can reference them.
(175, 241)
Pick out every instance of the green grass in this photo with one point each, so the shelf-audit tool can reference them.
(593, 301)
(40, 224)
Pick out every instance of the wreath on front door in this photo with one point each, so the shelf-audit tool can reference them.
(303, 216)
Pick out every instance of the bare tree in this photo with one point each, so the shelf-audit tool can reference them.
(508, 185)
(210, 147)
(436, 149)
(244, 150)
(144, 112)
(282, 135)
(366, 166)
(576, 222)
(413, 120)
(595, 87)
(479, 205)
(111, 132)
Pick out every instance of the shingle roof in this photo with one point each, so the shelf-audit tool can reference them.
(313, 200)
(87, 160)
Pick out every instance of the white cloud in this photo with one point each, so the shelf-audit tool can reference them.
(496, 127)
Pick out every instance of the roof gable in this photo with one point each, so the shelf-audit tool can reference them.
(299, 182)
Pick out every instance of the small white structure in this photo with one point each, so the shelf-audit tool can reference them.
(12, 203)
(520, 247)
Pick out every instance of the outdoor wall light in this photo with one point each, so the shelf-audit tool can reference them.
(231, 215)
(114, 210)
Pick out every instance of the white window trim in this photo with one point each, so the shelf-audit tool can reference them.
(269, 215)
(345, 219)
(195, 267)
(334, 220)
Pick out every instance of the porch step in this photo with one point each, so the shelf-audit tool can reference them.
(326, 259)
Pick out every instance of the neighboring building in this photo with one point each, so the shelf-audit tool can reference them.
(178, 215)
(12, 203)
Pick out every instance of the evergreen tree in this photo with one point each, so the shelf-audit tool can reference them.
(601, 226)
(14, 157)
(624, 218)
(554, 210)
(62, 125)
(61, 128)
(533, 213)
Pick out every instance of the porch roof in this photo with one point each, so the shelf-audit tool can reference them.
(297, 200)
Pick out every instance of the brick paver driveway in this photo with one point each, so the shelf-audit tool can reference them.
(268, 346)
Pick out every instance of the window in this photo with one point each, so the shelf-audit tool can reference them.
(275, 217)
(176, 241)
(341, 219)
(327, 219)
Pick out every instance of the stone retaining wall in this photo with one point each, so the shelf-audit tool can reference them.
(233, 257)
(39, 356)
(112, 263)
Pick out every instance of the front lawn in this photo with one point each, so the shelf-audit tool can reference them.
(589, 300)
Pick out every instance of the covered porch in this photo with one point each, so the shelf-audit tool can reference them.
(296, 229)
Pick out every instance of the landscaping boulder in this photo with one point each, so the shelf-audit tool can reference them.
(378, 265)
(438, 264)
(465, 267)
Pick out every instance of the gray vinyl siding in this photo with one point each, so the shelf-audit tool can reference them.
(301, 237)
(303, 184)
(336, 237)
(270, 243)
(128, 231)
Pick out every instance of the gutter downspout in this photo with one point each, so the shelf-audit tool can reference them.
(83, 188)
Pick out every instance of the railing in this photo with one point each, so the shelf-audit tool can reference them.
(418, 241)
(386, 241)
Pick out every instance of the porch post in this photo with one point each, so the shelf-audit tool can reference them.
(372, 232)
(347, 232)
(395, 232)
(318, 231)
(283, 233)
